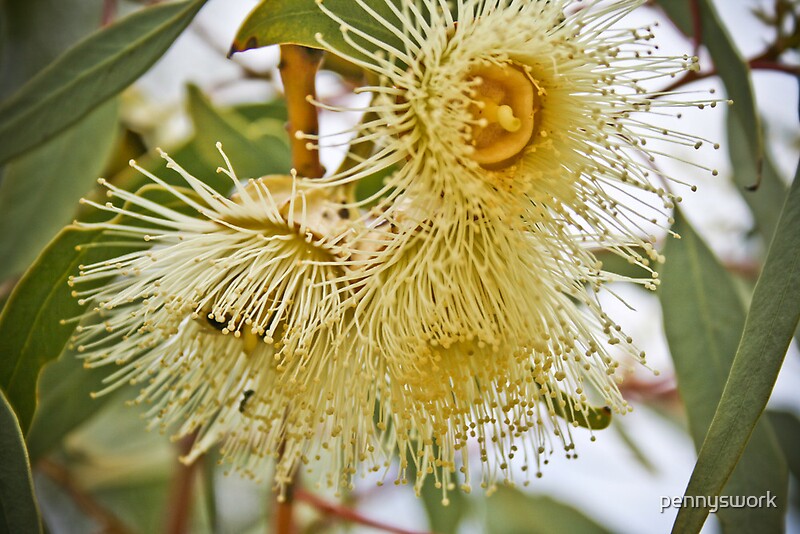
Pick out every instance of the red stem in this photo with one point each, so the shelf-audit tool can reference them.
(697, 24)
(347, 514)
(109, 12)
(755, 63)
(179, 504)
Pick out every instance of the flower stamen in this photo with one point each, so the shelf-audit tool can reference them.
(504, 107)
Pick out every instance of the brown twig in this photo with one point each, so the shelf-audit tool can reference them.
(284, 511)
(179, 503)
(109, 12)
(59, 474)
(347, 514)
(755, 64)
(697, 25)
(298, 69)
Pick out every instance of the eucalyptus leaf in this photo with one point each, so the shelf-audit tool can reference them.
(787, 429)
(703, 320)
(65, 402)
(748, 151)
(41, 188)
(735, 74)
(88, 74)
(41, 313)
(679, 11)
(770, 325)
(251, 155)
(191, 156)
(31, 328)
(299, 22)
(596, 418)
(444, 519)
(509, 511)
(765, 202)
(18, 510)
(35, 37)
(253, 112)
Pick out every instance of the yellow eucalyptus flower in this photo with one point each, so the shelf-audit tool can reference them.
(521, 138)
(223, 316)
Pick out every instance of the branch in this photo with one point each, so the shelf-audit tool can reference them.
(109, 12)
(347, 514)
(59, 474)
(298, 69)
(756, 63)
(697, 25)
(179, 502)
(284, 512)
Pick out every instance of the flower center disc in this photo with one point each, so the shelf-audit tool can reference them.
(505, 109)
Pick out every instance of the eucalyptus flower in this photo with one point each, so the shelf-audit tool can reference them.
(522, 137)
(223, 315)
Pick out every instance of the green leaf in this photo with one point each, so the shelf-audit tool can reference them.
(18, 510)
(191, 156)
(680, 13)
(768, 330)
(703, 321)
(65, 402)
(252, 153)
(596, 418)
(733, 70)
(614, 263)
(509, 511)
(443, 519)
(299, 21)
(766, 201)
(735, 74)
(41, 188)
(35, 323)
(372, 184)
(254, 112)
(88, 74)
(35, 37)
(31, 333)
(787, 430)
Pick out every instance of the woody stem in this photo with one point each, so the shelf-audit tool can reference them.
(298, 67)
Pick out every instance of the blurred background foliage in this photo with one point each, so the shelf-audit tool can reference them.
(86, 85)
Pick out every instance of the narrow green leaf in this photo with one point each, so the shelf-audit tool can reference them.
(299, 22)
(208, 490)
(35, 37)
(748, 156)
(255, 112)
(596, 418)
(768, 330)
(735, 74)
(252, 155)
(787, 430)
(634, 448)
(65, 401)
(703, 321)
(509, 511)
(41, 188)
(88, 74)
(191, 156)
(614, 263)
(18, 510)
(35, 323)
(766, 201)
(680, 13)
(31, 333)
(443, 519)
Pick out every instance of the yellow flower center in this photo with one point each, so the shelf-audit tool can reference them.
(505, 109)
